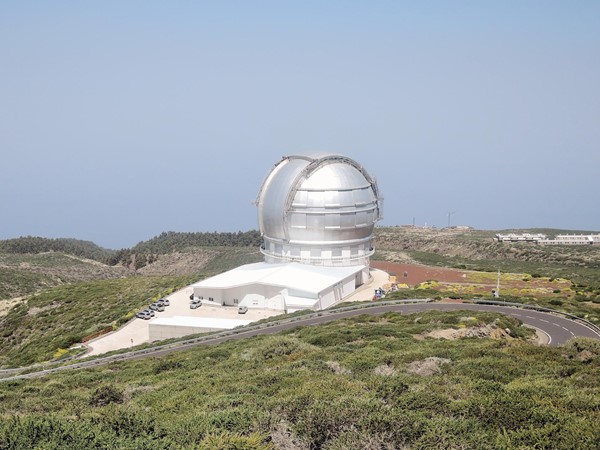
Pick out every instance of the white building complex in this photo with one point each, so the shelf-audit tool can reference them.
(573, 239)
(316, 215)
(561, 239)
(522, 237)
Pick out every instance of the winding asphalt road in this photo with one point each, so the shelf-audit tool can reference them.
(559, 330)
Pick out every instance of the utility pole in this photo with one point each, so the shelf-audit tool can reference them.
(498, 285)
(450, 214)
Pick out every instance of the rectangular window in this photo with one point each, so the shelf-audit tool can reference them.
(298, 220)
(347, 220)
(316, 199)
(332, 220)
(314, 221)
(332, 199)
(300, 198)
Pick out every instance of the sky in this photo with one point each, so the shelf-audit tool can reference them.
(121, 120)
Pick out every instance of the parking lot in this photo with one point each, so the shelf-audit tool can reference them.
(137, 332)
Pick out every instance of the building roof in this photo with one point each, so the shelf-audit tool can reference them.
(301, 277)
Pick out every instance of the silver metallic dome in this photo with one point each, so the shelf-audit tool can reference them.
(318, 209)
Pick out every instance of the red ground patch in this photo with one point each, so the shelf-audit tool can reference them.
(413, 274)
(470, 282)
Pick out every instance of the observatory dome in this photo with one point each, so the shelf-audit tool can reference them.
(318, 209)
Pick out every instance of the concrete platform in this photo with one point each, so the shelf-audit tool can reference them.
(137, 331)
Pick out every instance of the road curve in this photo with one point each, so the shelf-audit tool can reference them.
(558, 329)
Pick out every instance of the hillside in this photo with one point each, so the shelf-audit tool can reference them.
(476, 249)
(25, 274)
(172, 241)
(75, 247)
(77, 297)
(360, 383)
(31, 264)
(43, 326)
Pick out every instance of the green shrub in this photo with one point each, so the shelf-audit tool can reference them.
(105, 395)
(167, 365)
(225, 440)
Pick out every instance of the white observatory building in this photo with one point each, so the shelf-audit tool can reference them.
(316, 215)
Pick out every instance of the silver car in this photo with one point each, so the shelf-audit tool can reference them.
(158, 307)
(196, 303)
(143, 315)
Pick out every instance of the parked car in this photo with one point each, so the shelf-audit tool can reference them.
(150, 312)
(164, 301)
(158, 307)
(196, 303)
(143, 315)
(242, 310)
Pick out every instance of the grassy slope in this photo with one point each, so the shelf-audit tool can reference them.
(60, 317)
(57, 318)
(24, 274)
(344, 385)
(477, 250)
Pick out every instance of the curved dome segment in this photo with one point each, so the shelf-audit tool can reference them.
(318, 210)
(335, 177)
(273, 197)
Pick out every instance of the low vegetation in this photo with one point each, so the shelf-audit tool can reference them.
(570, 274)
(31, 264)
(365, 382)
(175, 242)
(39, 328)
(34, 245)
(354, 383)
(25, 274)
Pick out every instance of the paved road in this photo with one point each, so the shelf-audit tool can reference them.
(558, 329)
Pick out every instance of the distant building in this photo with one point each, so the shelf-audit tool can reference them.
(561, 239)
(573, 239)
(522, 237)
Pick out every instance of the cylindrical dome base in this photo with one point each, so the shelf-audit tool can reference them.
(345, 253)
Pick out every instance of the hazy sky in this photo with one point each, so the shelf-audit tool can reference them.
(123, 119)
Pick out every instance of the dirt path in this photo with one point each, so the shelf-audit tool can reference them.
(5, 305)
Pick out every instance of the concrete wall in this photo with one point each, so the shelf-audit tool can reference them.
(253, 296)
(159, 332)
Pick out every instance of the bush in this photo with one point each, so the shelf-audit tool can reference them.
(164, 366)
(105, 395)
(235, 441)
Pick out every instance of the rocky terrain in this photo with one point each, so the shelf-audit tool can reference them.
(179, 263)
